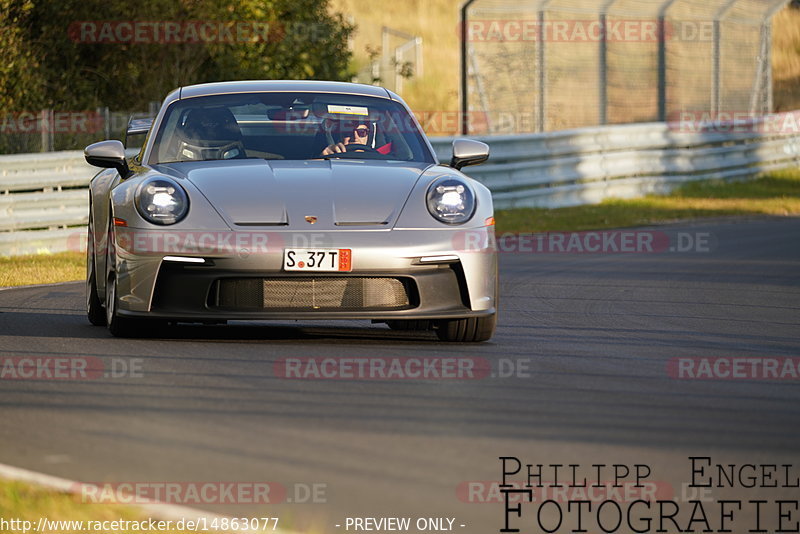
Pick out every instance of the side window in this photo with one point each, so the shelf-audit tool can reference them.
(167, 151)
(139, 155)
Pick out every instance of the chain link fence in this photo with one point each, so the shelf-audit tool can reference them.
(399, 58)
(545, 65)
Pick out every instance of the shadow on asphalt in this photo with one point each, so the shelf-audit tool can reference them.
(59, 325)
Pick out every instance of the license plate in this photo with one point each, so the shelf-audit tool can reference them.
(317, 259)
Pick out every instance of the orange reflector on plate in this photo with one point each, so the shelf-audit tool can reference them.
(345, 259)
(489, 221)
(120, 222)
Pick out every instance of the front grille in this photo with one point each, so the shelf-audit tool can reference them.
(312, 293)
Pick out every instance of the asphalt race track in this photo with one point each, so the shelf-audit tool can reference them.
(580, 371)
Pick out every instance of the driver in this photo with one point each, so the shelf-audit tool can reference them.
(356, 133)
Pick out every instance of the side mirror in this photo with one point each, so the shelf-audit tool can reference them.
(107, 154)
(468, 152)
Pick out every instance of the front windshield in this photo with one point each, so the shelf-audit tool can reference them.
(291, 126)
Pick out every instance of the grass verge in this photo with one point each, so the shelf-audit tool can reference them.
(776, 193)
(25, 502)
(42, 268)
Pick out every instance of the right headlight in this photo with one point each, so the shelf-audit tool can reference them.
(451, 200)
(161, 201)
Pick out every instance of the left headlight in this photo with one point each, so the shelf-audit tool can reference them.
(451, 200)
(161, 201)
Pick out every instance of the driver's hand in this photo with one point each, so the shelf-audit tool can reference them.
(336, 148)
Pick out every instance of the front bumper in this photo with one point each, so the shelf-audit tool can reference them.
(464, 287)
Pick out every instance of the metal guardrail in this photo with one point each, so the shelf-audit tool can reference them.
(44, 197)
(586, 166)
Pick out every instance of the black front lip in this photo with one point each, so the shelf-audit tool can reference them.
(182, 293)
(456, 313)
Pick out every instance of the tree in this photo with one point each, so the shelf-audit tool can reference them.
(81, 54)
(20, 80)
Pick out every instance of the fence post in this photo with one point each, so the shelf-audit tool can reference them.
(662, 69)
(716, 80)
(662, 60)
(603, 74)
(603, 82)
(47, 124)
(768, 66)
(540, 76)
(106, 114)
(541, 60)
(43, 130)
(757, 92)
(716, 90)
(464, 67)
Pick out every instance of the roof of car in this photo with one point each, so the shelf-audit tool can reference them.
(260, 86)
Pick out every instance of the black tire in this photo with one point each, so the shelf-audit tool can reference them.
(119, 326)
(410, 324)
(471, 330)
(94, 308)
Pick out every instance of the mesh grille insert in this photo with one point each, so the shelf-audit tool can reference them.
(312, 293)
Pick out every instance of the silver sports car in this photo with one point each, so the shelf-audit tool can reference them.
(289, 200)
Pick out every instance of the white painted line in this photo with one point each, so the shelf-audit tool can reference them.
(156, 509)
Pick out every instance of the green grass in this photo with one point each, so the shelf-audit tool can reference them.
(777, 193)
(42, 268)
(28, 502)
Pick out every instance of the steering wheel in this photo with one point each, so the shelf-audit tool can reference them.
(358, 147)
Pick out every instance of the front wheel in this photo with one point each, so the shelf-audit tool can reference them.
(470, 330)
(94, 308)
(117, 325)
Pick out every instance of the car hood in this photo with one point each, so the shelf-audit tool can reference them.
(338, 193)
